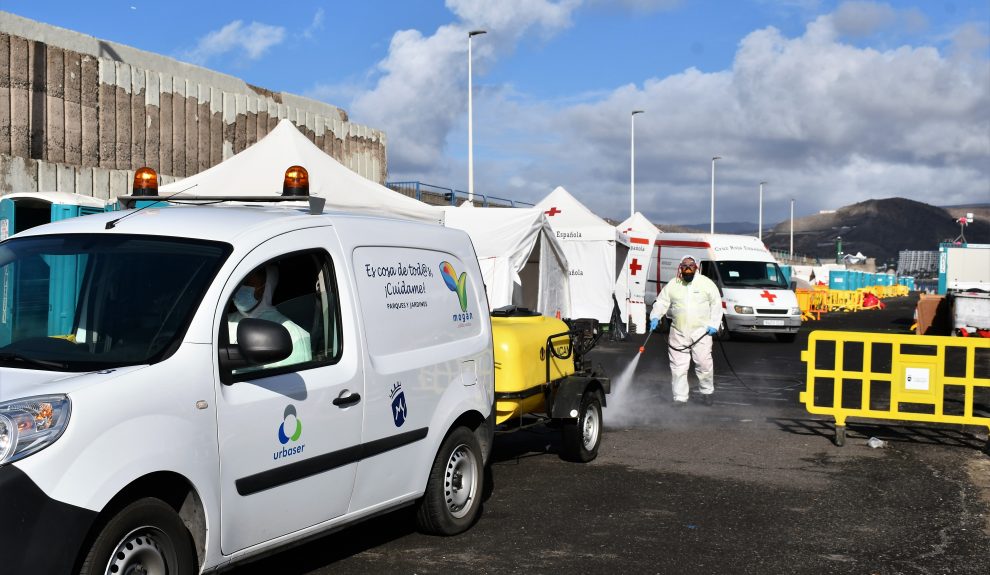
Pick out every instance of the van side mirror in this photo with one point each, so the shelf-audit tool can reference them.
(259, 342)
(793, 285)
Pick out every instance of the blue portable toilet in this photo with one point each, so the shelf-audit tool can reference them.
(838, 279)
(20, 211)
(786, 270)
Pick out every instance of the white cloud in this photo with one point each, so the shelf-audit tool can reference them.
(641, 6)
(250, 41)
(825, 122)
(316, 25)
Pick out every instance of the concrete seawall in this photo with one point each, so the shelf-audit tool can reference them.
(79, 114)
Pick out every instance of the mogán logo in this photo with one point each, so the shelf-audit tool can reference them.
(458, 285)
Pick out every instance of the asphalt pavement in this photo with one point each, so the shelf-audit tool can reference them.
(752, 484)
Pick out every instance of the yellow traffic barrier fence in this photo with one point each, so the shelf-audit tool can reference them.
(922, 378)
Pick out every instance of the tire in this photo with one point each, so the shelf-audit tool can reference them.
(582, 437)
(454, 490)
(147, 534)
(785, 337)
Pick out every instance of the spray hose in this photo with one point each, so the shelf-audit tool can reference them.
(725, 356)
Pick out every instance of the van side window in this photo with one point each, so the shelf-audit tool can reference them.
(297, 291)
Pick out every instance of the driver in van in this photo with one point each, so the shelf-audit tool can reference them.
(254, 299)
(695, 306)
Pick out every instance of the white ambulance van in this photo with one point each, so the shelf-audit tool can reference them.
(183, 388)
(756, 297)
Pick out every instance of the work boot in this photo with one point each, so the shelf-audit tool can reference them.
(708, 399)
(679, 403)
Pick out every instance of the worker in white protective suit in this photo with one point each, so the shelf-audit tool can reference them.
(695, 305)
(254, 299)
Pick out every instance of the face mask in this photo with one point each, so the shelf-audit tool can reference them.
(244, 299)
(687, 275)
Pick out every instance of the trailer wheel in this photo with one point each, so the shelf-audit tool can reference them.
(581, 437)
(147, 536)
(453, 492)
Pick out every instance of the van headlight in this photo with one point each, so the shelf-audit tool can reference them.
(29, 425)
(795, 311)
(743, 309)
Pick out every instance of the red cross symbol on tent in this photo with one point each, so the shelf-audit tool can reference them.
(770, 297)
(634, 267)
(552, 211)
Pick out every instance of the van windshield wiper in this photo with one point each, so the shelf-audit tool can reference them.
(10, 356)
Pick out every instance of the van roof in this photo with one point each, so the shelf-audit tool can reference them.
(225, 223)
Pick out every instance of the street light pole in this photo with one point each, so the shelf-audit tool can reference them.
(792, 230)
(712, 230)
(632, 162)
(760, 224)
(471, 34)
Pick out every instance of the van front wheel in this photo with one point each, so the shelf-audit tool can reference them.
(453, 492)
(147, 536)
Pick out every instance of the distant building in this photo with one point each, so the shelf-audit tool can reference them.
(916, 262)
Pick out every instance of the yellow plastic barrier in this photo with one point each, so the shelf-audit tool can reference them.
(900, 377)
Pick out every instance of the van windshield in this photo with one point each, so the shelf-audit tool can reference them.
(740, 274)
(88, 302)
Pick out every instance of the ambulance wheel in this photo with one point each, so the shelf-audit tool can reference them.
(582, 436)
(453, 492)
(785, 337)
(148, 537)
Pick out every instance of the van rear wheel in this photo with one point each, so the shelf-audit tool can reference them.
(147, 537)
(453, 492)
(582, 437)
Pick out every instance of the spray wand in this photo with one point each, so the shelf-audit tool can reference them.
(642, 348)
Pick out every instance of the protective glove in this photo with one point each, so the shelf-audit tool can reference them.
(653, 324)
(712, 331)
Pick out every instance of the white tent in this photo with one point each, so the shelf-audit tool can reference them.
(259, 170)
(521, 261)
(589, 244)
(630, 288)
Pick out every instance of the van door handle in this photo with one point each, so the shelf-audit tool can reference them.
(347, 400)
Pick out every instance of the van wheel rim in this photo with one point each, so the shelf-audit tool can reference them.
(460, 481)
(143, 551)
(592, 425)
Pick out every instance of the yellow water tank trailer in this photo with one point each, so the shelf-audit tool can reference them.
(521, 362)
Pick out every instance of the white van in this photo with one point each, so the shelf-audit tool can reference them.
(756, 297)
(135, 436)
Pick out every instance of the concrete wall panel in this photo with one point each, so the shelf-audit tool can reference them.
(37, 78)
(101, 183)
(20, 99)
(73, 108)
(178, 126)
(203, 127)
(89, 92)
(139, 122)
(54, 135)
(152, 134)
(107, 113)
(4, 94)
(122, 116)
(192, 130)
(165, 122)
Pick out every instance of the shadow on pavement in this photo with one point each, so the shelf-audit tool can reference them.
(921, 434)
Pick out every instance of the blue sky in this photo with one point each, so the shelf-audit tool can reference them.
(830, 102)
